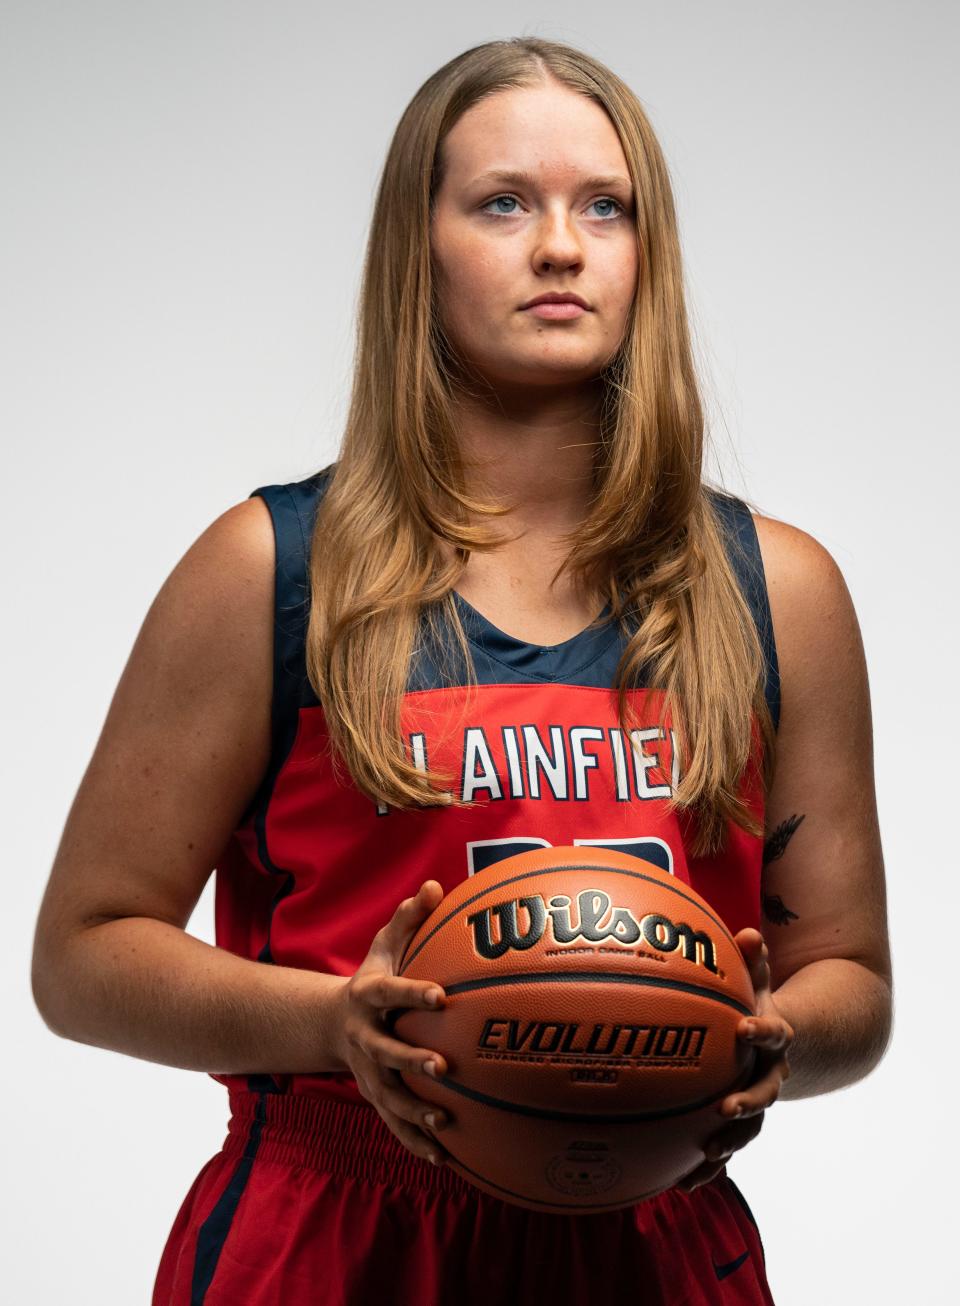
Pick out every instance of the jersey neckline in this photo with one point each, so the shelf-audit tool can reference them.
(546, 661)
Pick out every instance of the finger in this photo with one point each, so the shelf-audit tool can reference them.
(702, 1175)
(414, 1139)
(388, 1098)
(386, 992)
(732, 1137)
(757, 1097)
(394, 1054)
(719, 1148)
(771, 1033)
(408, 917)
(406, 1105)
(756, 955)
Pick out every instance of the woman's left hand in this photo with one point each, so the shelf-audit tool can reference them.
(771, 1035)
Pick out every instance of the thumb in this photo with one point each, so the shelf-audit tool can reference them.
(754, 950)
(410, 915)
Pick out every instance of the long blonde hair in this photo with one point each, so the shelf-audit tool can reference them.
(650, 543)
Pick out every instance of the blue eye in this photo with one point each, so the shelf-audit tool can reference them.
(512, 199)
(616, 203)
(499, 199)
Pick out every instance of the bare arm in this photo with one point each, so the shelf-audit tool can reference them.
(183, 748)
(821, 964)
(824, 900)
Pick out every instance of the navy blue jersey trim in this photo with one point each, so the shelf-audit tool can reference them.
(545, 662)
(212, 1234)
(292, 509)
(746, 1209)
(589, 658)
(743, 550)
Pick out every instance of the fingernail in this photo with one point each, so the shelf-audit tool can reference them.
(434, 1159)
(431, 1068)
(431, 1119)
(433, 997)
(750, 1032)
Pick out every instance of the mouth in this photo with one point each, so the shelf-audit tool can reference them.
(556, 297)
(556, 310)
(556, 307)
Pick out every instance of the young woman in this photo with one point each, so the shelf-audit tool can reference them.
(357, 689)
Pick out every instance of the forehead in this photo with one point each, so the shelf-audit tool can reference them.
(550, 131)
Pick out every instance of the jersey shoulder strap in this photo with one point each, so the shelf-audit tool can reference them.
(293, 508)
(743, 552)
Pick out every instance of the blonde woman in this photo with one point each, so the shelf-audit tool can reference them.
(359, 688)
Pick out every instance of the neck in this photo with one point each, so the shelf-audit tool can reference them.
(532, 448)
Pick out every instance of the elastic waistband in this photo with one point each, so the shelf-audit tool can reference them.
(336, 1137)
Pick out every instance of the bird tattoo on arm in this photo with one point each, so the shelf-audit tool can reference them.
(774, 908)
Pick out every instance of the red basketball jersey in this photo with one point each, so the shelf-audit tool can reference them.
(315, 867)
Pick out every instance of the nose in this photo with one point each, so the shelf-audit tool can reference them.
(557, 244)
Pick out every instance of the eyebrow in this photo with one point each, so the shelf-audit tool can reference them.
(513, 178)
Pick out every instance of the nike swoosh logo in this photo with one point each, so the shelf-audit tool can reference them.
(722, 1271)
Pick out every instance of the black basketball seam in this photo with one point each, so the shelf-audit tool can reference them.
(601, 977)
(526, 875)
(590, 1118)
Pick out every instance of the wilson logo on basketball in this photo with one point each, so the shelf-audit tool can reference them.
(597, 922)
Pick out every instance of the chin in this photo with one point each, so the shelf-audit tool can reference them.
(549, 368)
(550, 372)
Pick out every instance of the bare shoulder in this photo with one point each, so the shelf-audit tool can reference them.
(185, 742)
(795, 562)
(218, 598)
(204, 652)
(208, 630)
(815, 625)
(237, 549)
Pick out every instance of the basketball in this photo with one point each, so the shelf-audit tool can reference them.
(589, 1029)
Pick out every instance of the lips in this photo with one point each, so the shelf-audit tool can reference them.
(554, 297)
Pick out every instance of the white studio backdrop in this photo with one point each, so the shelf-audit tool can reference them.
(187, 188)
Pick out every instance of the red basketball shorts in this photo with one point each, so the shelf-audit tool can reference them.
(314, 1202)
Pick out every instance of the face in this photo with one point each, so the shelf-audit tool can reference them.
(536, 198)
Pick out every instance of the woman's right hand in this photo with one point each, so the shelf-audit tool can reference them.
(373, 1057)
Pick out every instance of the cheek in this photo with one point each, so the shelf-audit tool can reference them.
(622, 278)
(480, 279)
(474, 266)
(476, 297)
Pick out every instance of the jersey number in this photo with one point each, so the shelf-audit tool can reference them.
(482, 853)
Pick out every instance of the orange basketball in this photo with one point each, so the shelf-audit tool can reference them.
(589, 1030)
